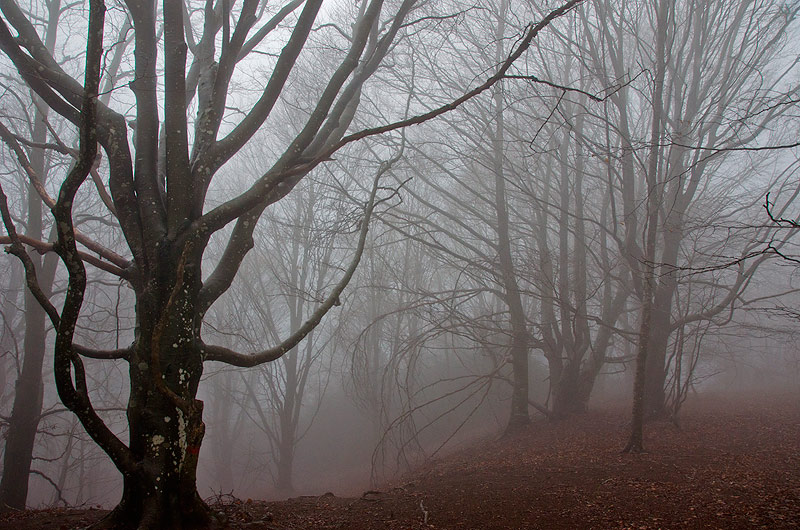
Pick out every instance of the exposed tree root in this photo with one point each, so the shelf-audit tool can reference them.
(154, 516)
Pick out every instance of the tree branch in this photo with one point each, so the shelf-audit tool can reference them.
(75, 395)
(16, 248)
(221, 354)
(226, 147)
(291, 167)
(43, 247)
(121, 264)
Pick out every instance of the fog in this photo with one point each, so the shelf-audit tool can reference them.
(325, 243)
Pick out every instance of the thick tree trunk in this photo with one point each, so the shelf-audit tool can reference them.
(288, 428)
(655, 405)
(519, 395)
(165, 419)
(158, 504)
(584, 388)
(285, 467)
(167, 440)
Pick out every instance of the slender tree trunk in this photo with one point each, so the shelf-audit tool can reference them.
(286, 462)
(647, 268)
(12, 327)
(518, 350)
(288, 427)
(657, 345)
(67, 462)
(24, 420)
(612, 311)
(225, 432)
(658, 341)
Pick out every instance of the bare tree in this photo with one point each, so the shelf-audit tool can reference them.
(709, 90)
(577, 279)
(290, 270)
(159, 177)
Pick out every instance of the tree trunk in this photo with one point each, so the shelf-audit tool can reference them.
(656, 369)
(286, 464)
(24, 421)
(288, 426)
(165, 419)
(635, 443)
(226, 420)
(518, 350)
(566, 395)
(655, 405)
(519, 395)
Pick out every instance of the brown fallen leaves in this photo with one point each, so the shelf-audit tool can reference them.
(729, 465)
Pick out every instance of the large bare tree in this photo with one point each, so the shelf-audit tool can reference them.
(160, 162)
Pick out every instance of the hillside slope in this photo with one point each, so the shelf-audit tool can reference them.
(728, 465)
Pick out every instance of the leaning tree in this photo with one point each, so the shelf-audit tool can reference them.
(163, 137)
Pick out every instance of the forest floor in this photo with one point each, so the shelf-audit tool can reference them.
(729, 464)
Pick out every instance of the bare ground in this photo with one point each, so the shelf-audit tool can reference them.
(729, 465)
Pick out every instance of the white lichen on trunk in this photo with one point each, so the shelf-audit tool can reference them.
(182, 445)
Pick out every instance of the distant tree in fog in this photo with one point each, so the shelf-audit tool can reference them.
(716, 80)
(28, 387)
(290, 269)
